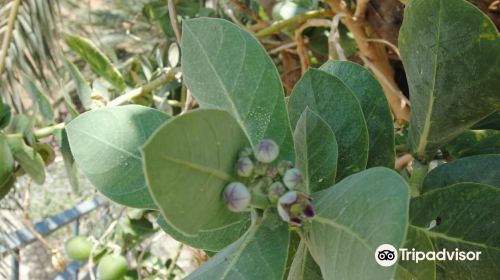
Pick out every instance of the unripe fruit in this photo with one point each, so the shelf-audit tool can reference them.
(266, 151)
(292, 178)
(244, 167)
(78, 248)
(237, 197)
(112, 267)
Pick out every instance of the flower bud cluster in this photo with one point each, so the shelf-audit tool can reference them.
(262, 178)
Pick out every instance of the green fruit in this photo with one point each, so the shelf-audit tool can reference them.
(112, 267)
(78, 248)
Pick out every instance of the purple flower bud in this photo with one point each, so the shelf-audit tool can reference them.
(294, 207)
(237, 196)
(276, 190)
(292, 178)
(244, 167)
(283, 166)
(266, 151)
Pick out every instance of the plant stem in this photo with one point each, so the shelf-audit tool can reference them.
(47, 131)
(174, 261)
(291, 21)
(145, 89)
(8, 35)
(417, 177)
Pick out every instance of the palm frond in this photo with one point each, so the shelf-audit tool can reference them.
(32, 49)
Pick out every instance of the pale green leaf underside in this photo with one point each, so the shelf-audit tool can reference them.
(375, 108)
(259, 254)
(225, 67)
(188, 162)
(209, 240)
(469, 221)
(316, 151)
(335, 103)
(483, 169)
(354, 217)
(451, 54)
(106, 146)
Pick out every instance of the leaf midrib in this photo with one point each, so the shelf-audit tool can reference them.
(434, 234)
(200, 168)
(422, 144)
(237, 254)
(225, 91)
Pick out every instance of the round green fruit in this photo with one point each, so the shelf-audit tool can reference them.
(78, 248)
(112, 267)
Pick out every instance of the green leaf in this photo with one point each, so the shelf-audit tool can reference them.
(69, 163)
(474, 142)
(303, 266)
(482, 169)
(353, 218)
(188, 162)
(375, 108)
(209, 240)
(328, 96)
(98, 61)
(7, 177)
(82, 86)
(225, 67)
(469, 221)
(316, 151)
(259, 254)
(5, 114)
(29, 160)
(105, 144)
(451, 54)
(39, 98)
(410, 270)
(490, 122)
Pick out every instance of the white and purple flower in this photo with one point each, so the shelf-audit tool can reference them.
(294, 207)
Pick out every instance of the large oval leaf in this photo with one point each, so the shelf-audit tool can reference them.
(451, 54)
(469, 221)
(105, 144)
(188, 162)
(209, 240)
(316, 151)
(225, 67)
(483, 169)
(353, 218)
(260, 254)
(410, 270)
(328, 96)
(303, 266)
(375, 108)
(474, 142)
